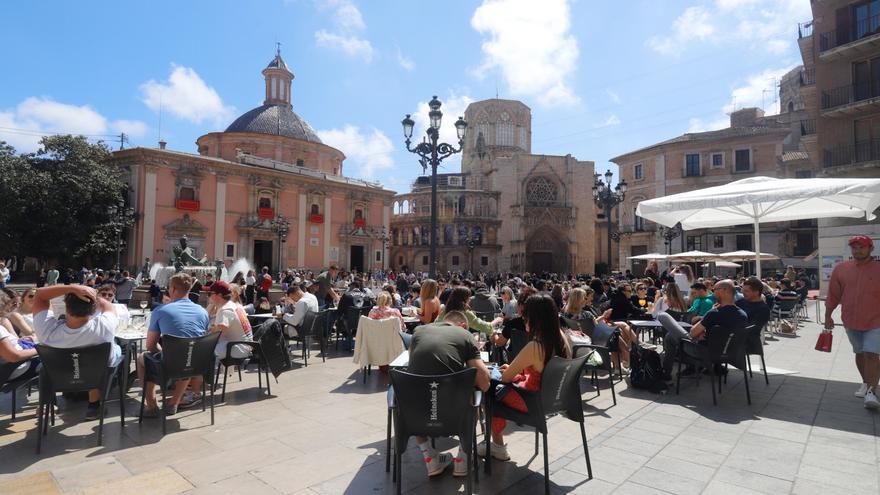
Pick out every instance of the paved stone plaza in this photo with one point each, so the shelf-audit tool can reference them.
(323, 431)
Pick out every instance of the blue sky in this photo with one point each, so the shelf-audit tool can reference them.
(600, 80)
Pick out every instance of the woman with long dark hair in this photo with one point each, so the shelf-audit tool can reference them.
(459, 300)
(541, 316)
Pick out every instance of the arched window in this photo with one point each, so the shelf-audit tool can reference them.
(358, 214)
(315, 210)
(187, 193)
(462, 235)
(504, 134)
(461, 205)
(265, 202)
(477, 235)
(638, 222)
(540, 191)
(448, 234)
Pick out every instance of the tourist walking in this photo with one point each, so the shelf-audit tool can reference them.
(855, 285)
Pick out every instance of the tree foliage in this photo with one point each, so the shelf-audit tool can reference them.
(56, 202)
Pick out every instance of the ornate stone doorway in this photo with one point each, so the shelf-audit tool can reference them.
(547, 251)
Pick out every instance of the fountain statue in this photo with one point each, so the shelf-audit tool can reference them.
(218, 274)
(184, 256)
(145, 270)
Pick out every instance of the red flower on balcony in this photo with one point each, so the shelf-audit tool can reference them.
(188, 204)
(266, 213)
(360, 222)
(316, 218)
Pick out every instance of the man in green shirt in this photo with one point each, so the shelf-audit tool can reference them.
(703, 300)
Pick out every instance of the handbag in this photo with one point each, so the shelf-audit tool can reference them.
(823, 343)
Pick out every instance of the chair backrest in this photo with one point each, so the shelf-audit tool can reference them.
(784, 305)
(352, 315)
(518, 340)
(6, 370)
(188, 356)
(75, 368)
(433, 405)
(308, 322)
(717, 341)
(570, 323)
(272, 346)
(560, 387)
(737, 346)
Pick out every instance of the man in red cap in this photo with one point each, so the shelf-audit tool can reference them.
(855, 285)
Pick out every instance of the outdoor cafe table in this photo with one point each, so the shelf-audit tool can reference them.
(653, 326)
(402, 361)
(128, 340)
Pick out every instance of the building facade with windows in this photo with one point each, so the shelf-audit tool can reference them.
(518, 211)
(267, 168)
(840, 47)
(753, 145)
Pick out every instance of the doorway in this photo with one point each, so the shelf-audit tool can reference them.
(541, 262)
(262, 255)
(356, 258)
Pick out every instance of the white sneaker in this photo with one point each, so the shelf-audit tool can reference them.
(863, 388)
(498, 451)
(436, 463)
(460, 468)
(871, 401)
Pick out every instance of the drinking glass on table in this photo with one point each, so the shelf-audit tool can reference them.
(143, 304)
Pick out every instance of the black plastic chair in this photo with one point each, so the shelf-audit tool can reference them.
(11, 387)
(350, 324)
(228, 361)
(722, 347)
(182, 358)
(784, 309)
(518, 340)
(74, 369)
(434, 406)
(601, 348)
(754, 347)
(312, 327)
(560, 393)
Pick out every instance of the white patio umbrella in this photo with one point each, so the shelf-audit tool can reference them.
(694, 256)
(764, 199)
(747, 256)
(649, 257)
(725, 264)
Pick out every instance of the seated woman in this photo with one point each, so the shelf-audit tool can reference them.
(458, 301)
(640, 298)
(517, 322)
(383, 309)
(524, 372)
(669, 298)
(622, 307)
(429, 303)
(21, 325)
(579, 308)
(508, 304)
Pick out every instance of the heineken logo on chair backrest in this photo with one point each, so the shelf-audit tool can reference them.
(75, 358)
(189, 354)
(434, 386)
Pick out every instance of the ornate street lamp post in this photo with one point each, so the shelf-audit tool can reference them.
(431, 153)
(121, 216)
(385, 239)
(471, 244)
(668, 234)
(607, 198)
(281, 227)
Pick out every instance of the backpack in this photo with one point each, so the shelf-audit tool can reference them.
(646, 369)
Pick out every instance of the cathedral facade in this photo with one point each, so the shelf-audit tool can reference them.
(508, 209)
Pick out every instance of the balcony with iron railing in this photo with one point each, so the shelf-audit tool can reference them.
(808, 77)
(859, 37)
(862, 153)
(808, 127)
(853, 99)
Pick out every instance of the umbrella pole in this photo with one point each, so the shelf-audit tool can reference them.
(757, 248)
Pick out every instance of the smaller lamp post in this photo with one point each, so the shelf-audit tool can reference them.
(281, 227)
(121, 216)
(385, 239)
(668, 234)
(607, 198)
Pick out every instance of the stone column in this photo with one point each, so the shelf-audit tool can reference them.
(386, 224)
(328, 227)
(301, 232)
(220, 218)
(149, 212)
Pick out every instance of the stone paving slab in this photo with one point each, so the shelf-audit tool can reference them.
(323, 432)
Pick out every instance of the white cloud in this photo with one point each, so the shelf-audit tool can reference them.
(764, 25)
(366, 152)
(350, 45)
(611, 121)
(133, 128)
(186, 96)
(699, 125)
(404, 61)
(693, 24)
(24, 125)
(346, 37)
(613, 96)
(759, 89)
(530, 43)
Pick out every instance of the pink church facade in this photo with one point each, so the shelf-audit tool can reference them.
(268, 167)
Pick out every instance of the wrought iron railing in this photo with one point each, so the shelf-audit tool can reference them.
(808, 77)
(808, 127)
(860, 152)
(849, 94)
(805, 29)
(856, 31)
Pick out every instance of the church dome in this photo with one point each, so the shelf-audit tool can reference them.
(278, 120)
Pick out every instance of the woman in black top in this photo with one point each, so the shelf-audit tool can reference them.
(622, 307)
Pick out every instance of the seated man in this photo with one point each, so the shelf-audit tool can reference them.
(439, 349)
(89, 320)
(753, 302)
(726, 315)
(180, 318)
(702, 300)
(303, 302)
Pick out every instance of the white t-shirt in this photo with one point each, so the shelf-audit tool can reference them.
(234, 318)
(4, 334)
(100, 328)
